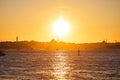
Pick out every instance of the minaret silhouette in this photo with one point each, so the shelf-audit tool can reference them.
(17, 39)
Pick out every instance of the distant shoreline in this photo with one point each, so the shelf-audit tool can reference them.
(54, 45)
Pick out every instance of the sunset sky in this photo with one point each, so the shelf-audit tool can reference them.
(89, 20)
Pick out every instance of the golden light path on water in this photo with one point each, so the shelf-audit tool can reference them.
(61, 68)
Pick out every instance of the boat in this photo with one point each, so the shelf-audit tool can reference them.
(1, 53)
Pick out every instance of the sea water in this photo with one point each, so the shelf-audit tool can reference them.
(60, 65)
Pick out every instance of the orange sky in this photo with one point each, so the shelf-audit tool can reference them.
(90, 20)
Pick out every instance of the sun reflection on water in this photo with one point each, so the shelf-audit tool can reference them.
(60, 67)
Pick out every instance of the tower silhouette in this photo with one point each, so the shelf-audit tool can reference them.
(17, 39)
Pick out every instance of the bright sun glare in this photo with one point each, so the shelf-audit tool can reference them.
(61, 27)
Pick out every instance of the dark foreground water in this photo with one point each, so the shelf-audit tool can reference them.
(60, 65)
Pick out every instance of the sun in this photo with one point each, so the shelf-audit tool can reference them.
(61, 27)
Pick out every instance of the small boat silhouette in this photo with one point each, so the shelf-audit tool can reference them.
(1, 53)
